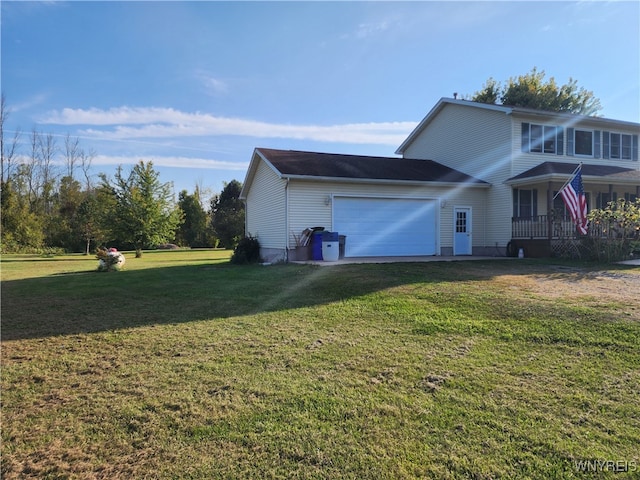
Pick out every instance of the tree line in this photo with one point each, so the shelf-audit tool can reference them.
(50, 201)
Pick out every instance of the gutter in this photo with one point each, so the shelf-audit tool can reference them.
(557, 177)
(380, 181)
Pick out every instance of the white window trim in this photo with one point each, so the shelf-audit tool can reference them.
(620, 136)
(545, 127)
(584, 155)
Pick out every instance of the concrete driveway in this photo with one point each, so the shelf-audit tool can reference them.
(631, 262)
(430, 258)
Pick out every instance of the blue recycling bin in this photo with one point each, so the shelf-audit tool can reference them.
(316, 246)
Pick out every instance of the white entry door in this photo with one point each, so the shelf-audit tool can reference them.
(462, 231)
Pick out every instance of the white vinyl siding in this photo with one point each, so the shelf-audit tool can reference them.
(478, 142)
(311, 205)
(266, 212)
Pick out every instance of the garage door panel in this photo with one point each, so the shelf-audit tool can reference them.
(386, 227)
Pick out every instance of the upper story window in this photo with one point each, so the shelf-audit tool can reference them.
(550, 139)
(542, 138)
(620, 146)
(583, 142)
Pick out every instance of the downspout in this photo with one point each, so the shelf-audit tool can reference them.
(286, 220)
(549, 214)
(246, 218)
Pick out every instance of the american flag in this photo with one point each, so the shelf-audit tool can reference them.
(576, 201)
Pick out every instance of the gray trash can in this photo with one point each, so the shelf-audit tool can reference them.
(342, 242)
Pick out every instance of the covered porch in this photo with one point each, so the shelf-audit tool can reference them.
(541, 224)
(547, 236)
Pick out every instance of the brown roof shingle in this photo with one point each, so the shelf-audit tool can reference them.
(559, 168)
(292, 163)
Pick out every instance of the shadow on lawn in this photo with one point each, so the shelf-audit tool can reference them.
(87, 302)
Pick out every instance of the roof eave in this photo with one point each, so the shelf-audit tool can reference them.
(558, 177)
(251, 171)
(574, 118)
(380, 181)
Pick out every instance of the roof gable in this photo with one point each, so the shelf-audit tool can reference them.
(300, 164)
(561, 117)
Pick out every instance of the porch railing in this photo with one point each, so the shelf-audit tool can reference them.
(561, 228)
(540, 227)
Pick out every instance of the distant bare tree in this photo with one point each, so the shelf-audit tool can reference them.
(72, 153)
(38, 173)
(48, 149)
(29, 169)
(86, 159)
(203, 193)
(8, 152)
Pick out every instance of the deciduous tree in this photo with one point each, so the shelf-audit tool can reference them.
(145, 213)
(193, 230)
(531, 91)
(227, 215)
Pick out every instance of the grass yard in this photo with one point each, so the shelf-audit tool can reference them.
(184, 366)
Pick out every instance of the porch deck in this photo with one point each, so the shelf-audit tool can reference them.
(542, 236)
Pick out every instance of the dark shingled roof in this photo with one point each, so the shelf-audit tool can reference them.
(291, 163)
(559, 168)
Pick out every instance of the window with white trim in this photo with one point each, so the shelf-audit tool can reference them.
(542, 138)
(525, 203)
(583, 142)
(619, 146)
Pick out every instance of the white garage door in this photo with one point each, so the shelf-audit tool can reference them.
(378, 227)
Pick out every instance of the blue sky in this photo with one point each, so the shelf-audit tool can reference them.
(196, 86)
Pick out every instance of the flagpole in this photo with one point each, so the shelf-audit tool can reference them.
(567, 182)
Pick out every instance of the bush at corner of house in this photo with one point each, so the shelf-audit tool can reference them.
(247, 251)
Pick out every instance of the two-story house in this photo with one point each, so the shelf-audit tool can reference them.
(473, 179)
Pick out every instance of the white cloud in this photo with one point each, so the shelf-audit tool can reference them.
(154, 122)
(113, 116)
(158, 161)
(30, 102)
(212, 85)
(368, 29)
(171, 161)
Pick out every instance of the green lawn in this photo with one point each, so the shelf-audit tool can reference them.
(184, 366)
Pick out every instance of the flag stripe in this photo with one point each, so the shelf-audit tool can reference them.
(576, 201)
